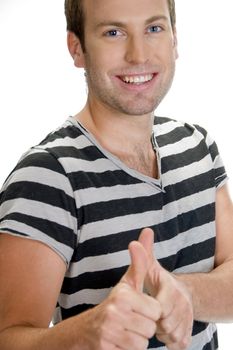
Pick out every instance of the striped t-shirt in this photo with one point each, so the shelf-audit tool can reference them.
(83, 202)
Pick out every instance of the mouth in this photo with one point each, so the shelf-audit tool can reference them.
(137, 79)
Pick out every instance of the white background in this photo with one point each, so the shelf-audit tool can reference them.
(39, 87)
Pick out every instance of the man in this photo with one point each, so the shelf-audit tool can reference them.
(115, 182)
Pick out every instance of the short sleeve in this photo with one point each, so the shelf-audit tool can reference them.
(220, 174)
(37, 202)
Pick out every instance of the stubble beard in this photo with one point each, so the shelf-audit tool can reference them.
(139, 104)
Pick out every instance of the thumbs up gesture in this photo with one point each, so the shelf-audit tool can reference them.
(174, 327)
(126, 319)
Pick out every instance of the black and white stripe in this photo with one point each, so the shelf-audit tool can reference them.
(82, 201)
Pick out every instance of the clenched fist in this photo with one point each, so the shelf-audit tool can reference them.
(174, 328)
(127, 318)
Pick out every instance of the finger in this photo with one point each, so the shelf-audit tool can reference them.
(136, 322)
(176, 313)
(137, 271)
(179, 339)
(124, 340)
(175, 330)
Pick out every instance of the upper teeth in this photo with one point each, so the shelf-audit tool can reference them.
(137, 79)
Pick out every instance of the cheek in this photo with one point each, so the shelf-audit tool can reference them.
(168, 48)
(103, 67)
(105, 56)
(168, 56)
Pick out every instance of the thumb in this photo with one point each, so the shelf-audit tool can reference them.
(153, 280)
(137, 271)
(146, 238)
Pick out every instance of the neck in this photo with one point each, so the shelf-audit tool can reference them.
(118, 132)
(127, 137)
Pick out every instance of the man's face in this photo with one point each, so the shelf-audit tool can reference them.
(130, 53)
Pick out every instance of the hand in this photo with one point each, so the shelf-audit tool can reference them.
(174, 328)
(126, 319)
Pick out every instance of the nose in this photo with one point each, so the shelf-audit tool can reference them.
(136, 50)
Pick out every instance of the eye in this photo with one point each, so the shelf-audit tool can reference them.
(113, 33)
(155, 29)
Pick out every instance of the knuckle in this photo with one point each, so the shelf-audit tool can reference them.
(185, 343)
(175, 337)
(180, 343)
(167, 326)
(136, 342)
(120, 295)
(109, 312)
(140, 344)
(151, 329)
(109, 317)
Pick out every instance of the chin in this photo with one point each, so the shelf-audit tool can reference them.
(140, 109)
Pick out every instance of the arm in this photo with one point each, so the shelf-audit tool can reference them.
(204, 297)
(217, 305)
(31, 276)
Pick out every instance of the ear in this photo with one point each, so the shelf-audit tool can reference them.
(175, 43)
(75, 49)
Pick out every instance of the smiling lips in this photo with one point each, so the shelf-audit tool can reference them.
(137, 79)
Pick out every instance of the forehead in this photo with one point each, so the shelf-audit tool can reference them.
(123, 10)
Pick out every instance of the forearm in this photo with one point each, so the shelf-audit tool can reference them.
(67, 335)
(212, 293)
(25, 338)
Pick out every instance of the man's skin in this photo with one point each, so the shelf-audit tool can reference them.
(124, 40)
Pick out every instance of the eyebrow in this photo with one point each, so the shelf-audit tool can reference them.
(157, 18)
(122, 24)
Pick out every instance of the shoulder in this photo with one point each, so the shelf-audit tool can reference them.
(164, 123)
(61, 143)
(41, 163)
(171, 130)
(67, 135)
(180, 140)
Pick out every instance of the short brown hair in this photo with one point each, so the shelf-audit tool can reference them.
(75, 17)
